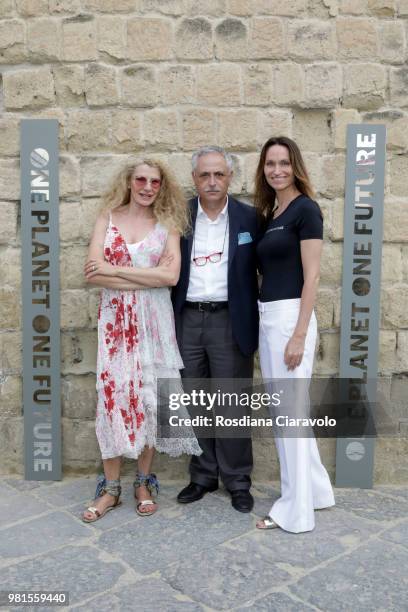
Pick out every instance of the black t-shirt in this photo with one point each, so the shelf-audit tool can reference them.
(279, 250)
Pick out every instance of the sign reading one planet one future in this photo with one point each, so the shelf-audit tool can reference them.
(360, 311)
(40, 293)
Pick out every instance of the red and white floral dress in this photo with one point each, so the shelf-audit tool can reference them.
(136, 345)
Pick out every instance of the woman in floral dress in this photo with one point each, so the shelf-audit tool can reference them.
(134, 255)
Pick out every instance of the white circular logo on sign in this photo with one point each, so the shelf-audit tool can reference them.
(355, 451)
(39, 158)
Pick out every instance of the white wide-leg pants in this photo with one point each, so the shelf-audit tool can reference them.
(305, 483)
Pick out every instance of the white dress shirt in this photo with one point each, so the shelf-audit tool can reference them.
(209, 283)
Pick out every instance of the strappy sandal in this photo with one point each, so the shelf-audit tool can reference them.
(152, 485)
(269, 523)
(104, 486)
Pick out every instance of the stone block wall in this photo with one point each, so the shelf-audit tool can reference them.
(164, 77)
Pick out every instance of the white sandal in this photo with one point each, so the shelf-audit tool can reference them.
(104, 486)
(97, 513)
(152, 485)
(146, 502)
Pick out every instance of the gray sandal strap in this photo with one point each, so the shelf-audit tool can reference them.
(147, 480)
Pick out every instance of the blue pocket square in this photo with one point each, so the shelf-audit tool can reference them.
(244, 238)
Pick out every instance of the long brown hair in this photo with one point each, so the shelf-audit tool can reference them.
(170, 206)
(265, 195)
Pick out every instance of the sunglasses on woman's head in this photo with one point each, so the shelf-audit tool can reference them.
(142, 181)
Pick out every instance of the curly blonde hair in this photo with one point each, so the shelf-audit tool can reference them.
(169, 207)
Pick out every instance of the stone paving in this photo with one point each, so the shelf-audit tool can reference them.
(203, 556)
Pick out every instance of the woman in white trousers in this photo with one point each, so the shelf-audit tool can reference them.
(289, 257)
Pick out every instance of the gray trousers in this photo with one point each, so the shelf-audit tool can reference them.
(209, 350)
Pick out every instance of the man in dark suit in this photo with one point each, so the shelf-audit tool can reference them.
(215, 305)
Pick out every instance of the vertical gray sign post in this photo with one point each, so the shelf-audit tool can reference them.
(360, 311)
(40, 294)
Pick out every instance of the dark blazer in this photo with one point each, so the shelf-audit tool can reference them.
(242, 273)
